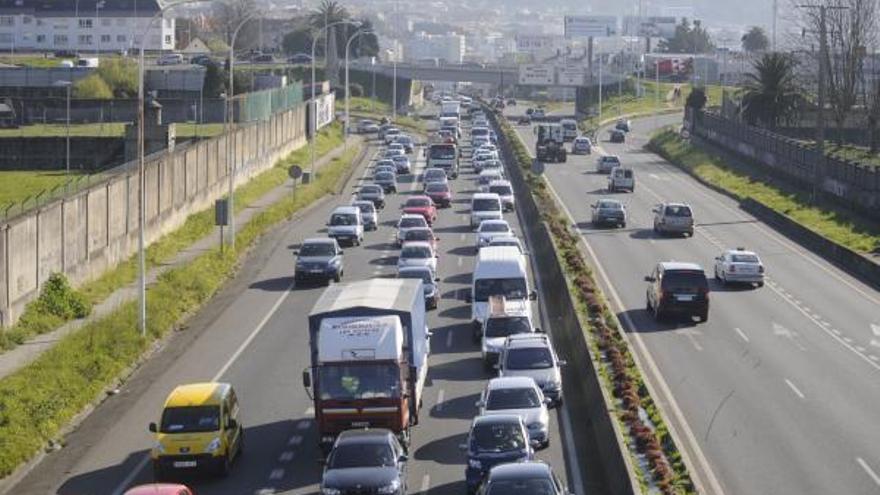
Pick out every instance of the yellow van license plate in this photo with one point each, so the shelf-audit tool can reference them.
(184, 464)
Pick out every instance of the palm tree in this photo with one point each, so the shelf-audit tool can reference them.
(771, 92)
(325, 14)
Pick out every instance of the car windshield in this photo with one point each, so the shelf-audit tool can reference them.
(507, 326)
(569, 126)
(443, 152)
(536, 486)
(418, 235)
(385, 176)
(415, 252)
(343, 219)
(501, 190)
(744, 258)
(529, 358)
(366, 207)
(493, 227)
(435, 175)
(190, 419)
(684, 279)
(353, 455)
(417, 202)
(371, 190)
(479, 131)
(423, 275)
(678, 211)
(611, 159)
(400, 158)
(437, 187)
(410, 222)
(610, 205)
(317, 249)
(353, 382)
(499, 437)
(486, 204)
(385, 163)
(512, 398)
(510, 288)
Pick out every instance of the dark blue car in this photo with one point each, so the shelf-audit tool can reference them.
(492, 440)
(365, 461)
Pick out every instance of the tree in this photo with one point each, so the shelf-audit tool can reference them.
(755, 40)
(121, 75)
(872, 114)
(299, 41)
(229, 15)
(365, 45)
(688, 39)
(328, 12)
(92, 87)
(215, 81)
(771, 93)
(697, 99)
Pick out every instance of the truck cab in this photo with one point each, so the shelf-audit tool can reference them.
(569, 129)
(445, 156)
(550, 145)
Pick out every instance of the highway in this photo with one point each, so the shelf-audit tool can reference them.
(254, 334)
(777, 393)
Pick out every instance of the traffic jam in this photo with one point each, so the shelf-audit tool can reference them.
(370, 342)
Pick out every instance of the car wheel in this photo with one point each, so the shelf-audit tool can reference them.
(656, 230)
(623, 225)
(657, 314)
(648, 304)
(760, 284)
(337, 277)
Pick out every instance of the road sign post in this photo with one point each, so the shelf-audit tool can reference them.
(294, 172)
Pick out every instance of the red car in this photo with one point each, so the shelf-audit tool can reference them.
(421, 205)
(159, 489)
(439, 193)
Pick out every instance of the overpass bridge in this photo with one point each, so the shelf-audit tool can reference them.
(488, 74)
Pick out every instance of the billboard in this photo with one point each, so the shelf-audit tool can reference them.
(586, 26)
(571, 76)
(537, 43)
(537, 75)
(653, 26)
(324, 111)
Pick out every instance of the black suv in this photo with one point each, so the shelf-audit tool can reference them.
(522, 478)
(676, 287)
(365, 461)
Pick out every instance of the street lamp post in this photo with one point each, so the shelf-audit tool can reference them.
(67, 85)
(347, 50)
(98, 5)
(314, 117)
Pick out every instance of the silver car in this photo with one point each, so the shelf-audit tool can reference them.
(518, 395)
(532, 355)
(677, 218)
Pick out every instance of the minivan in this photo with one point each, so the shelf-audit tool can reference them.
(346, 224)
(485, 206)
(677, 287)
(199, 429)
(499, 271)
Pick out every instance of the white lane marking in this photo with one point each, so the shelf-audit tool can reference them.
(276, 474)
(310, 411)
(691, 335)
(794, 389)
(295, 440)
(868, 470)
(464, 218)
(265, 491)
(426, 484)
(463, 237)
(286, 456)
(742, 334)
(460, 261)
(449, 340)
(440, 396)
(303, 425)
(875, 330)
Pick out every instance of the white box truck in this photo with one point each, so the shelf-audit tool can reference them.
(450, 109)
(369, 345)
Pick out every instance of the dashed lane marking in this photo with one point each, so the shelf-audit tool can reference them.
(868, 470)
(426, 484)
(794, 389)
(742, 334)
(276, 474)
(286, 456)
(295, 440)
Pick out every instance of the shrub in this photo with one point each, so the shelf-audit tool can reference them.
(58, 298)
(94, 87)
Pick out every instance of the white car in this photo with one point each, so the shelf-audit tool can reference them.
(532, 355)
(487, 177)
(504, 190)
(739, 266)
(392, 152)
(493, 165)
(581, 146)
(407, 222)
(417, 253)
(435, 174)
(606, 163)
(485, 206)
(390, 133)
(489, 229)
(519, 395)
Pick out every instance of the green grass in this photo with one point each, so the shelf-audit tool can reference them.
(38, 400)
(109, 129)
(858, 154)
(30, 61)
(836, 224)
(361, 104)
(17, 185)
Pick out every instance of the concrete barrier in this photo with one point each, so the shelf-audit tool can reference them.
(601, 457)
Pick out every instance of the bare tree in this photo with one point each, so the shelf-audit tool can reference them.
(851, 27)
(228, 15)
(872, 113)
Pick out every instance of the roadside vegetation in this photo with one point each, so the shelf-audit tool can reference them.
(17, 185)
(37, 401)
(184, 130)
(659, 464)
(837, 224)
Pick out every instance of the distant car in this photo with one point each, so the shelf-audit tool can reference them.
(407, 142)
(433, 175)
(677, 287)
(388, 181)
(508, 240)
(621, 179)
(429, 282)
(300, 58)
(203, 60)
(493, 440)
(538, 113)
(605, 163)
(159, 489)
(170, 59)
(675, 218)
(368, 213)
(511, 102)
(319, 258)
(623, 125)
(365, 461)
(439, 193)
(374, 193)
(409, 221)
(417, 253)
(519, 395)
(608, 212)
(263, 58)
(421, 234)
(489, 229)
(739, 266)
(581, 146)
(390, 133)
(402, 164)
(618, 136)
(487, 177)
(421, 205)
(522, 478)
(367, 126)
(532, 355)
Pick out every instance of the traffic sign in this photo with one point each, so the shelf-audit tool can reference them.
(295, 172)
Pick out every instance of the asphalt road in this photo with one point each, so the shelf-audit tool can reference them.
(777, 393)
(254, 335)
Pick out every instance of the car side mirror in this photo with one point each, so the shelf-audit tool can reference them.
(436, 279)
(402, 458)
(296, 252)
(534, 444)
(649, 278)
(593, 206)
(153, 427)
(533, 295)
(479, 403)
(538, 330)
(307, 379)
(231, 424)
(548, 401)
(562, 362)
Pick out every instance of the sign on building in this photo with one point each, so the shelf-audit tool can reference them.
(653, 26)
(537, 43)
(586, 26)
(537, 75)
(571, 76)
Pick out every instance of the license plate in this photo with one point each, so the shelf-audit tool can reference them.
(684, 297)
(317, 270)
(184, 464)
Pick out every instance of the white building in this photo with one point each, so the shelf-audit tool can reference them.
(449, 48)
(82, 26)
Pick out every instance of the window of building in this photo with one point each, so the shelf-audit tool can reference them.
(120, 38)
(167, 39)
(106, 22)
(60, 40)
(39, 22)
(120, 21)
(41, 38)
(85, 39)
(6, 38)
(105, 38)
(85, 23)
(26, 20)
(7, 20)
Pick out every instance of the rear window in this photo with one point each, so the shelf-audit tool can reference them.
(681, 278)
(486, 205)
(501, 190)
(678, 211)
(416, 202)
(744, 258)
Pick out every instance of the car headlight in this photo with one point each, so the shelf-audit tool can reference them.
(330, 491)
(213, 446)
(159, 448)
(535, 426)
(474, 463)
(390, 488)
(551, 385)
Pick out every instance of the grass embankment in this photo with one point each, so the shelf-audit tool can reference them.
(659, 463)
(835, 223)
(31, 61)
(17, 185)
(184, 130)
(38, 400)
(36, 321)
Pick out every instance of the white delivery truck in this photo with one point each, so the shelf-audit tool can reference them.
(450, 109)
(499, 271)
(369, 345)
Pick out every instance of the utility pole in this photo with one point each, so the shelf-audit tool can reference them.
(820, 115)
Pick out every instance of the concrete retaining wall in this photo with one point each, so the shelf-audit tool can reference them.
(84, 234)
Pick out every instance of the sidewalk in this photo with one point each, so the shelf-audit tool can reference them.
(15, 359)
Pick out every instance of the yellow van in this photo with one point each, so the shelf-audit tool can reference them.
(199, 429)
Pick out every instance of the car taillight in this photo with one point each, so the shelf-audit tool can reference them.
(663, 294)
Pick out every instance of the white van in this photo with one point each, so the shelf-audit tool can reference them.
(485, 206)
(569, 129)
(499, 271)
(346, 224)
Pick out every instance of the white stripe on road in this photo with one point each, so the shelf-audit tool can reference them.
(794, 389)
(276, 474)
(868, 470)
(742, 334)
(460, 261)
(286, 456)
(426, 484)
(440, 396)
(295, 440)
(310, 412)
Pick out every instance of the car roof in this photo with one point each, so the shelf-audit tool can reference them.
(417, 244)
(371, 185)
(156, 489)
(523, 340)
(499, 182)
(517, 470)
(197, 394)
(740, 251)
(609, 157)
(675, 203)
(368, 435)
(404, 269)
(346, 209)
(505, 238)
(497, 418)
(412, 215)
(487, 196)
(319, 240)
(506, 382)
(418, 196)
(679, 265)
(495, 220)
(435, 170)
